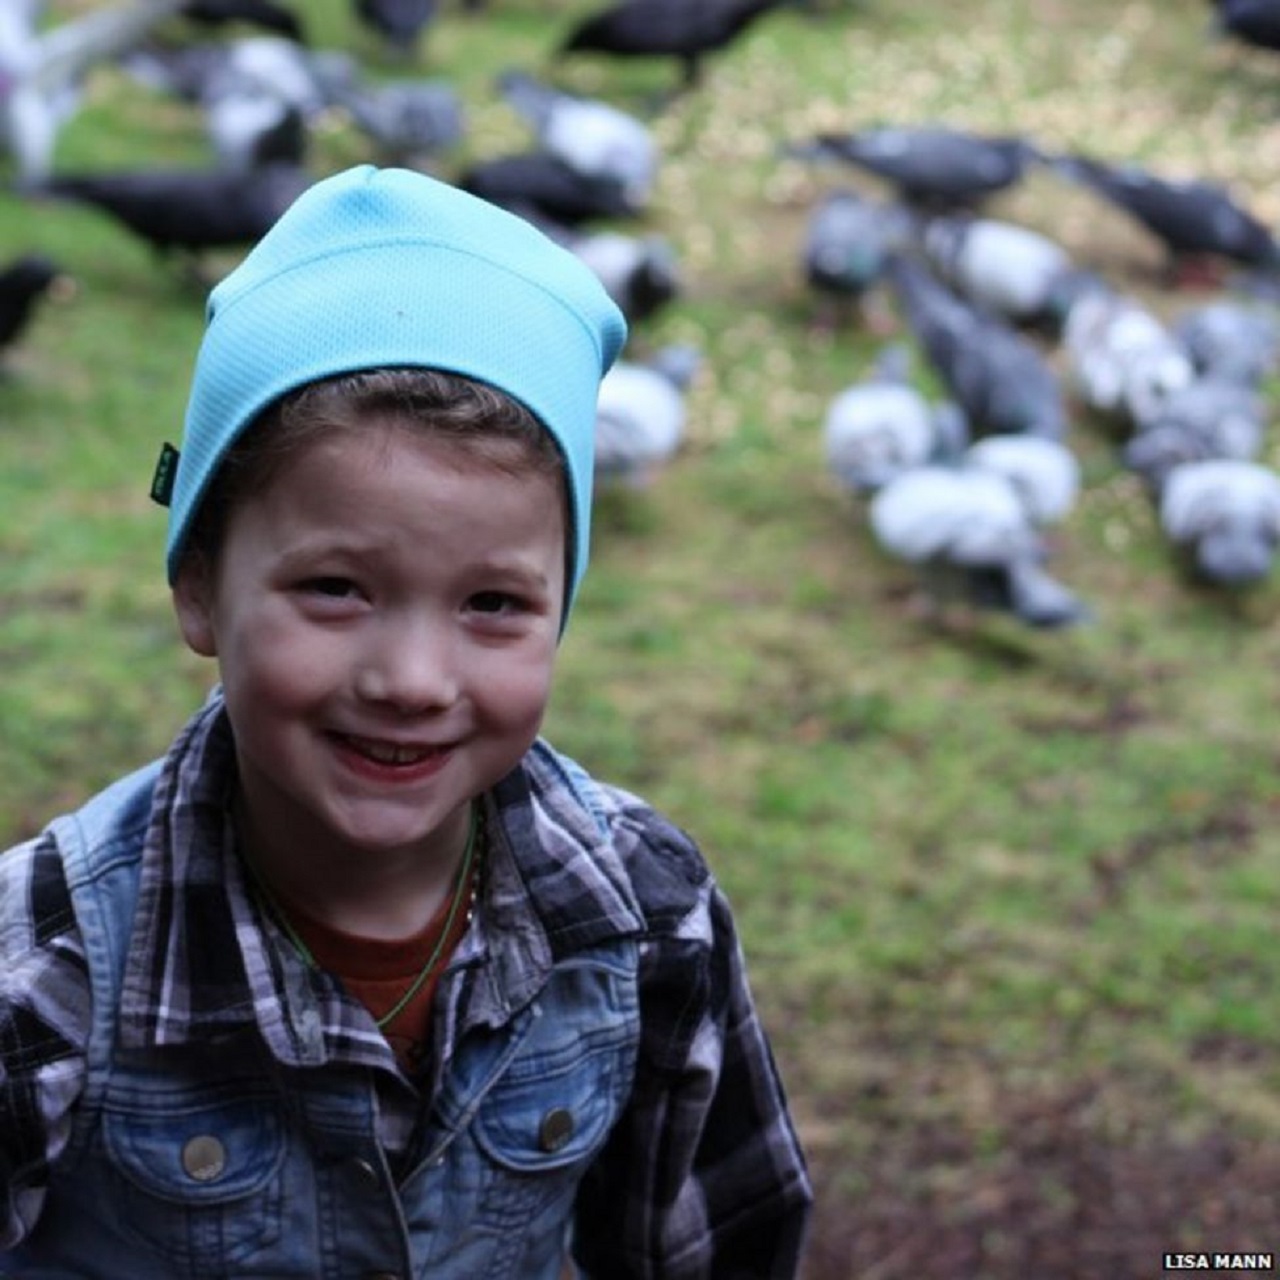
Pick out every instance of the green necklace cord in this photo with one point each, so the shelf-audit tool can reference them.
(464, 878)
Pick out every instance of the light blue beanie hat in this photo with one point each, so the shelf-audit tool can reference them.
(388, 267)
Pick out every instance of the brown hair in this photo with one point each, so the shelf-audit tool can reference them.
(494, 428)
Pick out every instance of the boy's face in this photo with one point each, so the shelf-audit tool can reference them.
(385, 617)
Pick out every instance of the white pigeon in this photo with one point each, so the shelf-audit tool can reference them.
(877, 428)
(1006, 268)
(1223, 514)
(640, 273)
(594, 138)
(640, 416)
(1123, 362)
(968, 533)
(1044, 473)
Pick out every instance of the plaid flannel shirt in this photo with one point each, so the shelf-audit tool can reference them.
(701, 1177)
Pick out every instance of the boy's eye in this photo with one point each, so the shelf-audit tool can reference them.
(334, 587)
(493, 602)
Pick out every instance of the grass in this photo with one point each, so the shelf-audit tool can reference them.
(990, 882)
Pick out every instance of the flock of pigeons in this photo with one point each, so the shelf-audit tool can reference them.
(966, 489)
(1015, 331)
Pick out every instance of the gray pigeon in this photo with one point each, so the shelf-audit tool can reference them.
(882, 426)
(972, 540)
(42, 71)
(409, 121)
(847, 243)
(594, 138)
(1230, 338)
(929, 166)
(1193, 219)
(398, 25)
(640, 416)
(1210, 417)
(1223, 516)
(996, 375)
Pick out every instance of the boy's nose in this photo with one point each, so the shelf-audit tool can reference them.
(410, 666)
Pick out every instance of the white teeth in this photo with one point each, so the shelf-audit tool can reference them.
(389, 753)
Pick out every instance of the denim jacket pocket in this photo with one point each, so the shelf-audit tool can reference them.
(544, 1121)
(200, 1180)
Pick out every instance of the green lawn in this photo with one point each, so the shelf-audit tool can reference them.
(1009, 898)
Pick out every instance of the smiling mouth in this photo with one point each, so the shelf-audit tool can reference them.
(391, 753)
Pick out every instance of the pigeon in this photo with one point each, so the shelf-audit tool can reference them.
(1223, 517)
(252, 130)
(259, 94)
(248, 67)
(398, 24)
(1122, 361)
(544, 182)
(967, 532)
(592, 137)
(1044, 473)
(409, 121)
(880, 427)
(930, 167)
(1253, 22)
(1194, 220)
(266, 15)
(182, 71)
(640, 273)
(999, 379)
(186, 211)
(41, 73)
(640, 416)
(1210, 417)
(1231, 339)
(847, 243)
(688, 30)
(1005, 268)
(23, 282)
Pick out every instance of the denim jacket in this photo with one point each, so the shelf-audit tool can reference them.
(599, 1083)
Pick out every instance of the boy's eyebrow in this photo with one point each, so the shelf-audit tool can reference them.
(511, 565)
(513, 568)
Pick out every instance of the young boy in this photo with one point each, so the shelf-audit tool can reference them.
(363, 979)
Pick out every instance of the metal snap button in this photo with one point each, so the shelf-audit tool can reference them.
(555, 1130)
(366, 1172)
(204, 1158)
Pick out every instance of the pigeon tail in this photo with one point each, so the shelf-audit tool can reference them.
(1235, 555)
(1040, 600)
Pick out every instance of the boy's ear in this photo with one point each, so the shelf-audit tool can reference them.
(193, 605)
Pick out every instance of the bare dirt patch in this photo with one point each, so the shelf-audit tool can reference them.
(1054, 1199)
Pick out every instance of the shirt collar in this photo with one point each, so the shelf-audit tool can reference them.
(205, 961)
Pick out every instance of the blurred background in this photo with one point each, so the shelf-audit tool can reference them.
(977, 737)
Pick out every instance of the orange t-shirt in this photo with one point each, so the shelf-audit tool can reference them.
(378, 972)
